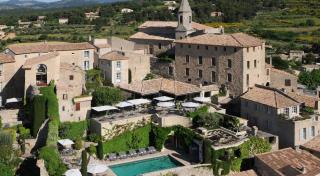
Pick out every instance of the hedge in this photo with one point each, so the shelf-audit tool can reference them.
(137, 138)
(53, 132)
(106, 96)
(53, 163)
(52, 100)
(38, 113)
(159, 136)
(72, 130)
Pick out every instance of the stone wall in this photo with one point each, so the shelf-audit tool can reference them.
(162, 68)
(278, 80)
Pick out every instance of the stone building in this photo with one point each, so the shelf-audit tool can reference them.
(69, 80)
(282, 80)
(277, 113)
(159, 36)
(7, 64)
(234, 60)
(287, 162)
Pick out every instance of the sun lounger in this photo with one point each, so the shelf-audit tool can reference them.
(142, 151)
(122, 155)
(112, 157)
(151, 150)
(132, 153)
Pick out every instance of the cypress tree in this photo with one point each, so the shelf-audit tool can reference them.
(39, 113)
(100, 150)
(84, 163)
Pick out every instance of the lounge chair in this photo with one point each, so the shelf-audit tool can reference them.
(151, 150)
(132, 153)
(122, 155)
(142, 151)
(112, 157)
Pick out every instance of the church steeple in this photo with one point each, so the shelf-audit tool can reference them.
(184, 20)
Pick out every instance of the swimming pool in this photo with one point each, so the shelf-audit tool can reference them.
(145, 166)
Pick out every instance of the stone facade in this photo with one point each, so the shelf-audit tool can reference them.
(221, 65)
(7, 84)
(282, 80)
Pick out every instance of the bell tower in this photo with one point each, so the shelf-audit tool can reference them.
(184, 20)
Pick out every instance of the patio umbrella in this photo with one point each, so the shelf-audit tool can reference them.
(124, 104)
(139, 101)
(104, 108)
(65, 142)
(190, 105)
(163, 99)
(166, 104)
(202, 99)
(97, 168)
(73, 172)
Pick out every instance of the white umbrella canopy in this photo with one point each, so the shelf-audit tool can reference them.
(73, 172)
(139, 101)
(104, 108)
(163, 99)
(124, 104)
(65, 142)
(166, 104)
(202, 99)
(190, 105)
(97, 168)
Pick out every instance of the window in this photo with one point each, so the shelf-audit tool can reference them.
(235, 49)
(187, 58)
(295, 109)
(198, 47)
(200, 73)
(189, 46)
(170, 70)
(65, 96)
(216, 48)
(190, 19)
(181, 45)
(159, 46)
(63, 108)
(207, 47)
(286, 111)
(287, 82)
(213, 76)
(254, 49)
(313, 131)
(255, 63)
(118, 64)
(213, 61)
(246, 103)
(304, 134)
(41, 75)
(248, 80)
(118, 76)
(200, 60)
(268, 72)
(26, 56)
(187, 71)
(86, 65)
(86, 54)
(229, 77)
(77, 106)
(248, 64)
(1, 69)
(248, 49)
(71, 77)
(268, 110)
(0, 88)
(229, 63)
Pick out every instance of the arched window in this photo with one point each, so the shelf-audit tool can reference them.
(41, 77)
(181, 19)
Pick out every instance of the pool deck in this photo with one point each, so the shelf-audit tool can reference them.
(165, 152)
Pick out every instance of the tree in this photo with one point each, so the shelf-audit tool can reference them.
(280, 64)
(0, 122)
(309, 59)
(78, 143)
(106, 96)
(100, 150)
(38, 113)
(84, 163)
(310, 22)
(149, 76)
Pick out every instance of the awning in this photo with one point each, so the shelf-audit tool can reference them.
(124, 104)
(190, 105)
(65, 142)
(202, 99)
(73, 172)
(163, 98)
(104, 108)
(13, 100)
(97, 168)
(139, 101)
(166, 104)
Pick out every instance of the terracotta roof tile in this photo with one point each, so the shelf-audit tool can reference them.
(31, 61)
(313, 145)
(244, 173)
(282, 72)
(287, 161)
(234, 40)
(114, 56)
(6, 58)
(308, 100)
(170, 24)
(166, 85)
(48, 47)
(142, 35)
(270, 97)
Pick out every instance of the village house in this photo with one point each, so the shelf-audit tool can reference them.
(216, 14)
(287, 162)
(7, 64)
(273, 111)
(234, 60)
(159, 36)
(63, 20)
(92, 15)
(281, 79)
(69, 81)
(310, 68)
(126, 10)
(296, 55)
(24, 24)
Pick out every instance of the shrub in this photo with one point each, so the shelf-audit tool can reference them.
(78, 144)
(94, 137)
(84, 163)
(159, 136)
(53, 163)
(6, 170)
(100, 150)
(106, 96)
(52, 100)
(24, 132)
(92, 149)
(0, 122)
(149, 76)
(38, 113)
(53, 132)
(72, 130)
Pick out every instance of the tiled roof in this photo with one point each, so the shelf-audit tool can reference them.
(270, 97)
(170, 24)
(244, 173)
(308, 100)
(6, 58)
(235, 40)
(142, 35)
(48, 47)
(313, 145)
(102, 45)
(288, 161)
(114, 56)
(30, 62)
(185, 6)
(165, 85)
(282, 72)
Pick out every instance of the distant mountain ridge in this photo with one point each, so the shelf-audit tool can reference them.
(34, 4)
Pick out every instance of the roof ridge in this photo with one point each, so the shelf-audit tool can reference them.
(236, 39)
(275, 98)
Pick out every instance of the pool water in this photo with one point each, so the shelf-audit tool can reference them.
(145, 166)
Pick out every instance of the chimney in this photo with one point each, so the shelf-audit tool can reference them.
(255, 130)
(302, 169)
